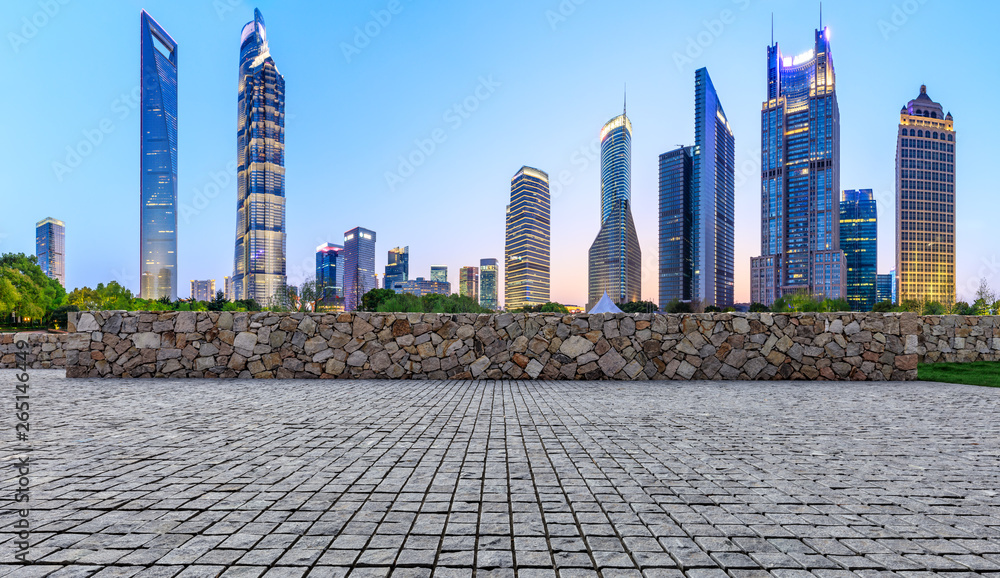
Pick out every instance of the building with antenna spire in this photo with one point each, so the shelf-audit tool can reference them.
(615, 260)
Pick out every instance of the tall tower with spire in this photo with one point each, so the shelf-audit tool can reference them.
(615, 261)
(259, 262)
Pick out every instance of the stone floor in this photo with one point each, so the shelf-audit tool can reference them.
(285, 478)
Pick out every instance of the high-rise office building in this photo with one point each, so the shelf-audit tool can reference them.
(925, 202)
(330, 271)
(676, 275)
(203, 290)
(50, 248)
(527, 244)
(697, 197)
(398, 267)
(468, 282)
(488, 277)
(885, 287)
(359, 266)
(157, 162)
(615, 261)
(713, 189)
(230, 294)
(421, 287)
(858, 240)
(259, 263)
(800, 178)
(439, 273)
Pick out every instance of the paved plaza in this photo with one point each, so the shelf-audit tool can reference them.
(533, 479)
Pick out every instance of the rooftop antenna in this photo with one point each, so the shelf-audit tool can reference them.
(772, 28)
(820, 16)
(625, 100)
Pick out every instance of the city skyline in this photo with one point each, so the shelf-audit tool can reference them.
(858, 47)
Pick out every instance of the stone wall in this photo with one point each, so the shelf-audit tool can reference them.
(830, 346)
(959, 338)
(46, 351)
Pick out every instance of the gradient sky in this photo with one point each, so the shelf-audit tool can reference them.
(555, 71)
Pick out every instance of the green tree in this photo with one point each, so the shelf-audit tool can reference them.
(883, 307)
(677, 306)
(932, 308)
(713, 309)
(638, 307)
(758, 308)
(963, 308)
(402, 303)
(39, 295)
(371, 300)
(219, 302)
(553, 307)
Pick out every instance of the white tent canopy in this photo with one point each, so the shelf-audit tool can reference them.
(605, 305)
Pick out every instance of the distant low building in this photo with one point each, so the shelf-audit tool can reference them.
(203, 290)
(421, 287)
(468, 282)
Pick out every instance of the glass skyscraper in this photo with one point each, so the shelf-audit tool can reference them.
(439, 273)
(50, 248)
(468, 282)
(885, 287)
(488, 277)
(858, 239)
(157, 162)
(259, 263)
(615, 261)
(676, 274)
(330, 271)
(925, 202)
(359, 266)
(398, 267)
(527, 246)
(800, 178)
(712, 196)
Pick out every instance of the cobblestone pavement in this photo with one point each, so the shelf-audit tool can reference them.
(294, 478)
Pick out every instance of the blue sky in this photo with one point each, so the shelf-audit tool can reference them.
(534, 83)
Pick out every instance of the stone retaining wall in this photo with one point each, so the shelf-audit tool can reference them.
(46, 350)
(830, 346)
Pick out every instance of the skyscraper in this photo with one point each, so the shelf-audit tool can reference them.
(800, 178)
(359, 266)
(925, 202)
(50, 248)
(676, 274)
(488, 276)
(439, 273)
(157, 162)
(203, 290)
(885, 287)
(398, 267)
(697, 197)
(330, 271)
(421, 287)
(615, 261)
(713, 196)
(858, 239)
(259, 263)
(468, 282)
(230, 293)
(527, 242)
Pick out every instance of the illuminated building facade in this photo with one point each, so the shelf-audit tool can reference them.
(230, 295)
(528, 240)
(885, 287)
(615, 261)
(259, 263)
(439, 273)
(50, 248)
(359, 266)
(800, 178)
(468, 282)
(421, 287)
(330, 271)
(397, 267)
(203, 290)
(858, 240)
(488, 277)
(676, 274)
(925, 202)
(157, 162)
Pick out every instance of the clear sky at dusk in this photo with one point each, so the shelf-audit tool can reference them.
(533, 81)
